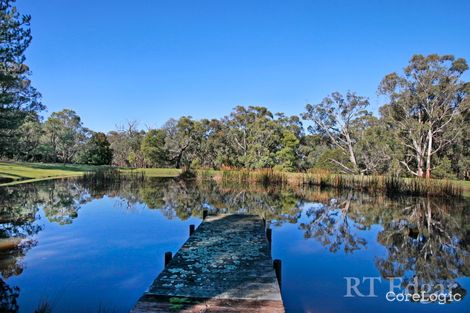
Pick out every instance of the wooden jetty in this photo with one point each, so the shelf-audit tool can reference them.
(224, 266)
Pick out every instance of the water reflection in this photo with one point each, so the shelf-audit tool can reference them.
(331, 224)
(424, 238)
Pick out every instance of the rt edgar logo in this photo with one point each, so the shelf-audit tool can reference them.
(413, 292)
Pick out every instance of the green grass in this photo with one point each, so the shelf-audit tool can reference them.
(12, 173)
(26, 172)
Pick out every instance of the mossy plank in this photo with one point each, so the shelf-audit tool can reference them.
(226, 263)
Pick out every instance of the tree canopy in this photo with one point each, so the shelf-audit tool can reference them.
(18, 98)
(422, 130)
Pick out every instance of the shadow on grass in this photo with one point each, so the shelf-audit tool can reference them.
(10, 175)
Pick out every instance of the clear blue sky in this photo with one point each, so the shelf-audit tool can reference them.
(113, 61)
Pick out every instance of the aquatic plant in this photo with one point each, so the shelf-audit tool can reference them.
(391, 186)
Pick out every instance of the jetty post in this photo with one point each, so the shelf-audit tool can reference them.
(168, 257)
(277, 265)
(269, 236)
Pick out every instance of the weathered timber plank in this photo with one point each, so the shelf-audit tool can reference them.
(225, 266)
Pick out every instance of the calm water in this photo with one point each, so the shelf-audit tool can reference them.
(83, 248)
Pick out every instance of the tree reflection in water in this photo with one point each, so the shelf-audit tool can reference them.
(423, 237)
(426, 242)
(332, 226)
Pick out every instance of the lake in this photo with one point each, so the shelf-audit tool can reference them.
(87, 246)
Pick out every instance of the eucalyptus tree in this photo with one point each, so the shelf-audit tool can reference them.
(126, 144)
(211, 148)
(462, 155)
(339, 119)
(153, 148)
(377, 148)
(17, 96)
(180, 140)
(425, 107)
(458, 154)
(65, 133)
(254, 136)
(216, 150)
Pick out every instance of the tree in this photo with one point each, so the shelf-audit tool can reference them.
(425, 106)
(339, 118)
(180, 136)
(126, 144)
(153, 148)
(377, 148)
(96, 151)
(254, 136)
(28, 139)
(65, 133)
(287, 155)
(214, 150)
(18, 98)
(459, 152)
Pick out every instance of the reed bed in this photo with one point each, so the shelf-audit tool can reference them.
(262, 176)
(111, 175)
(391, 186)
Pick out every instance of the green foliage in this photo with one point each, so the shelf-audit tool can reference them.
(29, 139)
(423, 129)
(153, 148)
(180, 140)
(341, 119)
(252, 136)
(287, 155)
(444, 169)
(324, 160)
(126, 144)
(425, 108)
(96, 151)
(65, 134)
(18, 98)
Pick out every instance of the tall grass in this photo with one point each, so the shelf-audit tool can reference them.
(106, 176)
(262, 176)
(391, 186)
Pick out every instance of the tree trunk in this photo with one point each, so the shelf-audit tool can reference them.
(419, 170)
(178, 159)
(428, 154)
(352, 157)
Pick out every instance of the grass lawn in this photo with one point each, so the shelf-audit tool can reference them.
(20, 172)
(14, 172)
